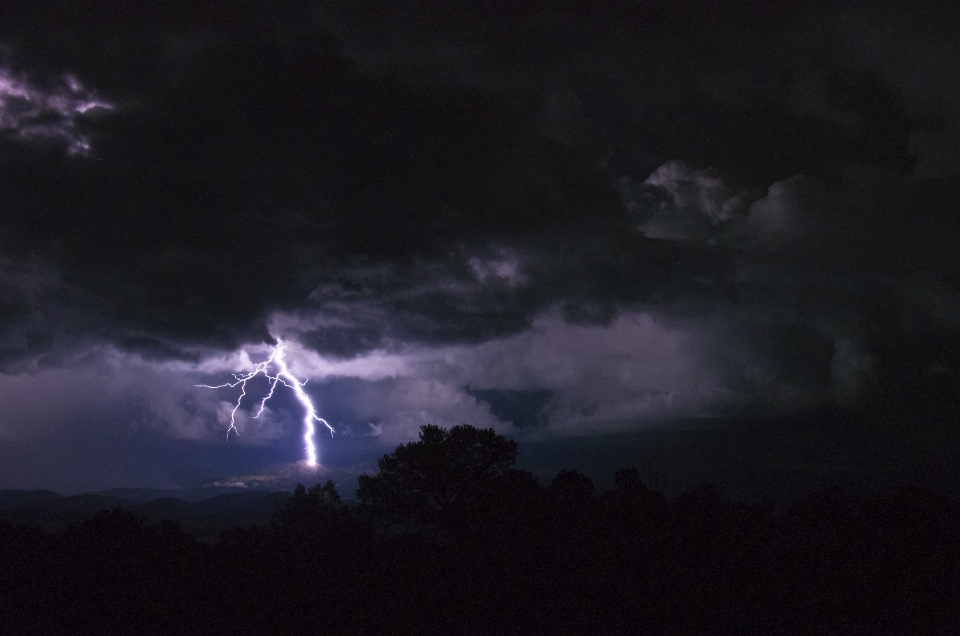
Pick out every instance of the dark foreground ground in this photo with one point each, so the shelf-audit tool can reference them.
(520, 559)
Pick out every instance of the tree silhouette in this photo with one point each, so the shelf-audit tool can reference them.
(308, 507)
(572, 488)
(445, 471)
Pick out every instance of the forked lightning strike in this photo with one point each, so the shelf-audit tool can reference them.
(284, 377)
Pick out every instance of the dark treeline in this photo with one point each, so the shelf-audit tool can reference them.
(450, 539)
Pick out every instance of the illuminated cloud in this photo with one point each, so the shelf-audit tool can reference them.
(33, 113)
(275, 370)
(678, 203)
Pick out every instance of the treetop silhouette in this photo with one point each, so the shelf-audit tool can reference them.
(444, 470)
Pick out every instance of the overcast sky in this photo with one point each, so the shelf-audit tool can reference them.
(578, 223)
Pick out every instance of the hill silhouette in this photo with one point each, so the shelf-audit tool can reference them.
(483, 548)
(205, 519)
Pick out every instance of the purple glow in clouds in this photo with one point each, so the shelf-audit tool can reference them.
(284, 377)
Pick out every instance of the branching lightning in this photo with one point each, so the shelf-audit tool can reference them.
(282, 376)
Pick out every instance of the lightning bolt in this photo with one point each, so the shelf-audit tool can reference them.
(282, 376)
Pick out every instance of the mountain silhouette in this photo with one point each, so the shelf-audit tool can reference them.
(202, 510)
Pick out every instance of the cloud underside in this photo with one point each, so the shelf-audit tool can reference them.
(454, 225)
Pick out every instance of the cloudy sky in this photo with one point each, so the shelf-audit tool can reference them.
(587, 225)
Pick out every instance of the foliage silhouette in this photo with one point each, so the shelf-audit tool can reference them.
(445, 472)
(308, 507)
(572, 488)
(513, 557)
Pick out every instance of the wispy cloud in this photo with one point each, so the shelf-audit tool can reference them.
(32, 112)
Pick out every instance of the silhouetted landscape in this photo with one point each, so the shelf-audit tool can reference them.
(688, 269)
(204, 519)
(449, 537)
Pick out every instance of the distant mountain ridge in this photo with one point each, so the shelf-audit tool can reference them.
(10, 498)
(204, 519)
(204, 510)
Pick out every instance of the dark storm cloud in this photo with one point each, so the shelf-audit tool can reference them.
(549, 218)
(244, 159)
(676, 202)
(760, 90)
(42, 322)
(523, 409)
(365, 177)
(471, 295)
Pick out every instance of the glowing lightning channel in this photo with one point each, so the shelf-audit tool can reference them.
(284, 377)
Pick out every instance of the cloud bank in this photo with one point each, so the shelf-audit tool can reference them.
(549, 220)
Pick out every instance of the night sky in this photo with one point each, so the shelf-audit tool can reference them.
(715, 241)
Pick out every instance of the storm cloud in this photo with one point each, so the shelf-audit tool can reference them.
(552, 219)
